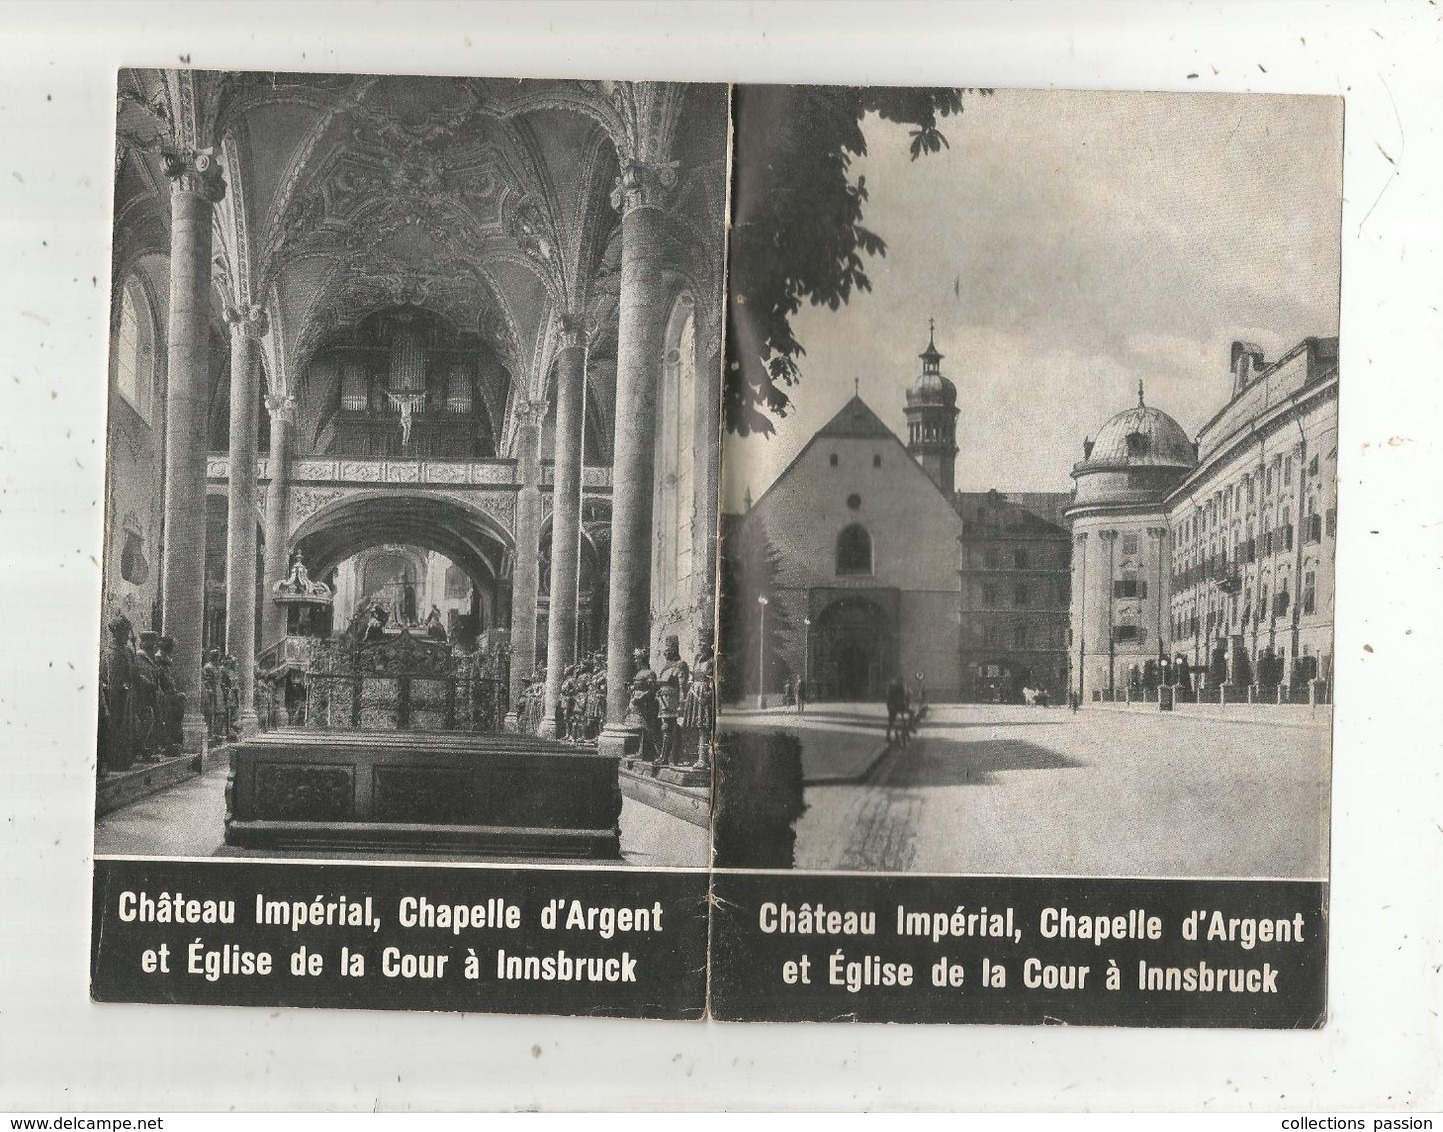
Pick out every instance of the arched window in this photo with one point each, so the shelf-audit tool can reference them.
(134, 349)
(854, 550)
(676, 459)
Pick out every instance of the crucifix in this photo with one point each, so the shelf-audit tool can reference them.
(407, 403)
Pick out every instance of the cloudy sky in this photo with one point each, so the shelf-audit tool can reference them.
(1068, 245)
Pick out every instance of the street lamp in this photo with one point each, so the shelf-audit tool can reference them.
(762, 655)
(806, 660)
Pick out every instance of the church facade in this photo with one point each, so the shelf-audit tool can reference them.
(884, 569)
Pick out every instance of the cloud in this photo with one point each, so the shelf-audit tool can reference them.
(1070, 244)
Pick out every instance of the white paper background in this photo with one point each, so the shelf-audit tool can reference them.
(58, 1052)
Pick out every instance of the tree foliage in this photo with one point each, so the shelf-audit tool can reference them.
(798, 232)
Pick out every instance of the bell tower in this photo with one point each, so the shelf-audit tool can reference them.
(932, 418)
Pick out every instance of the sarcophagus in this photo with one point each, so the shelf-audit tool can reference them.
(497, 794)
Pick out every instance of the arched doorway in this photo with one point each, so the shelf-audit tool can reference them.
(853, 651)
(402, 546)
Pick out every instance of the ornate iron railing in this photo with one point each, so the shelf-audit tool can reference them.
(403, 683)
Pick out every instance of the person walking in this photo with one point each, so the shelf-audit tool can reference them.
(898, 720)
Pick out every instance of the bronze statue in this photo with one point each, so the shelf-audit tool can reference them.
(115, 677)
(145, 684)
(699, 712)
(641, 707)
(596, 703)
(672, 682)
(171, 697)
(212, 696)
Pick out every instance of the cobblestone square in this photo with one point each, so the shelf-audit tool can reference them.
(1016, 790)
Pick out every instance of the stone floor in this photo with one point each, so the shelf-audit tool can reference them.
(1016, 790)
(188, 820)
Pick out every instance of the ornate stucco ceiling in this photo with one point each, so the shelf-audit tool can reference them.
(486, 202)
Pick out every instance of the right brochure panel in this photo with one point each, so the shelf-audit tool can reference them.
(1029, 490)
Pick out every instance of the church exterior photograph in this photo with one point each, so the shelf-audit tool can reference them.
(1032, 555)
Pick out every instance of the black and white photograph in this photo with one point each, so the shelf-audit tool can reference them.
(408, 379)
(1028, 524)
(411, 473)
(1030, 495)
(587, 555)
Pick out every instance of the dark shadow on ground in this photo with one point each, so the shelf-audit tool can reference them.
(781, 722)
(950, 762)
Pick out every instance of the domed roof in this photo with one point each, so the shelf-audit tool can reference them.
(931, 388)
(1141, 437)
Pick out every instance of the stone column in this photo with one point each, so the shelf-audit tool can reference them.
(638, 374)
(1110, 539)
(282, 409)
(565, 519)
(240, 551)
(195, 187)
(525, 569)
(1079, 595)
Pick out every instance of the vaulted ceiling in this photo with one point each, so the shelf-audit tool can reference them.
(483, 201)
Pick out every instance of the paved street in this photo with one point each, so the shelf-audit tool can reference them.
(1012, 790)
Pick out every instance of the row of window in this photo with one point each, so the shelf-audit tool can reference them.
(1233, 500)
(1024, 595)
(1021, 636)
(1248, 550)
(1019, 558)
(834, 461)
(1275, 606)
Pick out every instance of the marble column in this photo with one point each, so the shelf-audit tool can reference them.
(640, 334)
(246, 326)
(565, 520)
(195, 187)
(282, 409)
(525, 568)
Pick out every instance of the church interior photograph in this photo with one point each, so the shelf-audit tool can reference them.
(407, 537)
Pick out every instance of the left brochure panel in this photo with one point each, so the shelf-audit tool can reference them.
(406, 691)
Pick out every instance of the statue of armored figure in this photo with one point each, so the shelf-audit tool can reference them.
(213, 696)
(566, 702)
(171, 697)
(672, 683)
(116, 666)
(641, 710)
(534, 702)
(699, 711)
(596, 703)
(576, 718)
(145, 684)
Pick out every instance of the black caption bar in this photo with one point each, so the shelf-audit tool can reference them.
(615, 942)
(806, 947)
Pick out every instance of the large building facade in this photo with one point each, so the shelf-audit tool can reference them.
(471, 325)
(1210, 562)
(1015, 592)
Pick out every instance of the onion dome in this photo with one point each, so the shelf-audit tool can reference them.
(931, 388)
